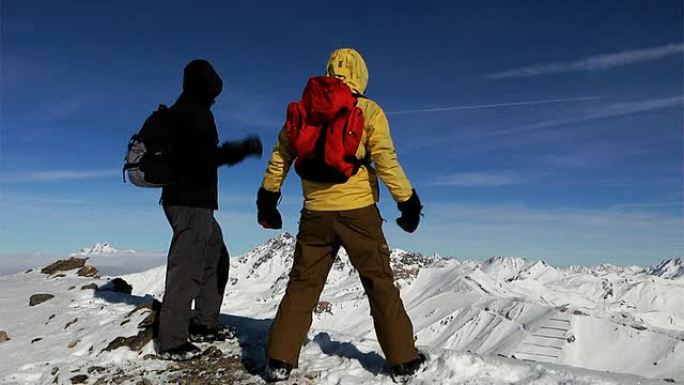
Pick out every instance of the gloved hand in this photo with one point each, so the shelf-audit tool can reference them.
(233, 152)
(252, 146)
(267, 211)
(410, 213)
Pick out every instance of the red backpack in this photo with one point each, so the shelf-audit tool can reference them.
(325, 129)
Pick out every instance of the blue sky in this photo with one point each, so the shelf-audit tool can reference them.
(543, 129)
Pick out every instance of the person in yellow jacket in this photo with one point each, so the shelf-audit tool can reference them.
(343, 215)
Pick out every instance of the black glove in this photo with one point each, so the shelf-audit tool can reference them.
(267, 211)
(410, 213)
(234, 152)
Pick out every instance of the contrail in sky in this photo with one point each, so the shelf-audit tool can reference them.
(495, 105)
(594, 63)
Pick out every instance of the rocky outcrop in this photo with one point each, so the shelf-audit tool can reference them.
(135, 343)
(87, 271)
(64, 265)
(3, 336)
(37, 299)
(147, 328)
(117, 285)
(79, 379)
(323, 307)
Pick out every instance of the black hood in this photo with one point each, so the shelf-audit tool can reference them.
(201, 80)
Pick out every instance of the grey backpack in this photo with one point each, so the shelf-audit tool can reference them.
(148, 158)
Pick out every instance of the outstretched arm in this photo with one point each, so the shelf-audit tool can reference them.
(282, 157)
(233, 152)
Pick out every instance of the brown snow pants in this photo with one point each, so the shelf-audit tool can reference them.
(321, 233)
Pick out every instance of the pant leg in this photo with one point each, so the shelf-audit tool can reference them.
(214, 280)
(314, 255)
(360, 232)
(191, 229)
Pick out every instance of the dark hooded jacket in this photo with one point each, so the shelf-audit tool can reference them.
(195, 140)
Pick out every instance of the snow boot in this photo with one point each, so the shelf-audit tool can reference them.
(402, 373)
(198, 333)
(277, 371)
(185, 352)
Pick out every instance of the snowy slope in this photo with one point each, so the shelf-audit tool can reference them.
(671, 268)
(591, 317)
(482, 322)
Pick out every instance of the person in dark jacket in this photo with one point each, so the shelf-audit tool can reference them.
(198, 258)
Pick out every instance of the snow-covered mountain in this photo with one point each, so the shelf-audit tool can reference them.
(100, 249)
(622, 319)
(671, 268)
(480, 321)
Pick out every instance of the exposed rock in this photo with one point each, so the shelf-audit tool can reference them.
(122, 378)
(79, 379)
(28, 271)
(90, 286)
(150, 321)
(211, 368)
(3, 336)
(64, 265)
(87, 271)
(96, 369)
(401, 272)
(153, 305)
(71, 287)
(36, 339)
(54, 371)
(37, 299)
(59, 276)
(135, 343)
(73, 321)
(117, 285)
(73, 344)
(323, 307)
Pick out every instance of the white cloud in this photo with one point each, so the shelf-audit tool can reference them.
(482, 179)
(594, 63)
(604, 112)
(494, 105)
(60, 175)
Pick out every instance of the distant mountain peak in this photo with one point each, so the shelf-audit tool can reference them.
(669, 268)
(102, 248)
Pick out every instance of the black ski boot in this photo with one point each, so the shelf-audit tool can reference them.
(198, 333)
(277, 371)
(185, 352)
(402, 373)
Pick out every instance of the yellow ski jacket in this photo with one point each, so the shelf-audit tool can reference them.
(361, 189)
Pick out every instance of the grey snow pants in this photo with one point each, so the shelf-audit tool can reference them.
(197, 270)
